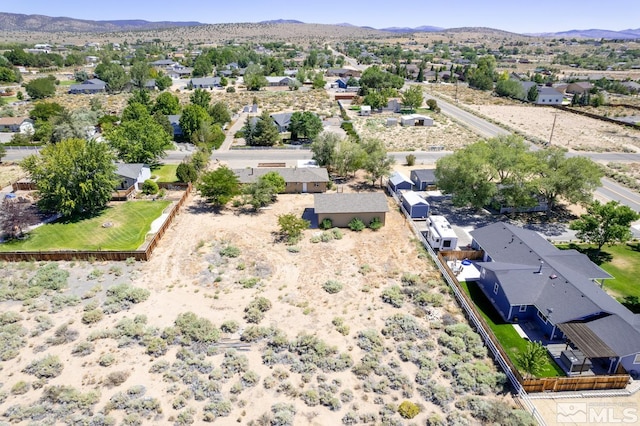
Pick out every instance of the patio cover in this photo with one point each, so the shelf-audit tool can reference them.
(586, 340)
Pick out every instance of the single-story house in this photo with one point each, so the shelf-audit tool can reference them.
(298, 179)
(579, 88)
(163, 63)
(527, 279)
(150, 84)
(416, 120)
(343, 72)
(16, 124)
(174, 119)
(415, 205)
(342, 207)
(279, 81)
(546, 95)
(205, 82)
(178, 73)
(132, 174)
(93, 85)
(398, 181)
(282, 121)
(439, 233)
(423, 179)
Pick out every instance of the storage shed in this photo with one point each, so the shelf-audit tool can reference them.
(398, 181)
(415, 205)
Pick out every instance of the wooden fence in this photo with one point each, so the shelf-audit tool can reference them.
(546, 384)
(143, 253)
(595, 116)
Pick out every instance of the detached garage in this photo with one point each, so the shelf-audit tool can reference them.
(398, 181)
(341, 208)
(415, 205)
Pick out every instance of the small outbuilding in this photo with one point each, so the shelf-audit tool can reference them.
(365, 110)
(415, 205)
(342, 207)
(416, 120)
(423, 179)
(398, 181)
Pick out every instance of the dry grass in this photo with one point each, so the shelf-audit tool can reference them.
(10, 172)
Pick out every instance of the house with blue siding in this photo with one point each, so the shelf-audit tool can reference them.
(423, 179)
(415, 205)
(398, 181)
(527, 279)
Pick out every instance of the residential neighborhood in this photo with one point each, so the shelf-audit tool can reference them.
(348, 226)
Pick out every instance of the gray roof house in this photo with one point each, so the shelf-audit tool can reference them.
(527, 279)
(282, 120)
(279, 80)
(342, 207)
(298, 179)
(546, 95)
(423, 179)
(93, 85)
(132, 174)
(205, 82)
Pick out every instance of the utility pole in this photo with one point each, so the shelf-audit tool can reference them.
(555, 117)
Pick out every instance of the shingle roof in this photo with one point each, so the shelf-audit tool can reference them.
(12, 121)
(289, 174)
(414, 199)
(397, 178)
(129, 170)
(426, 175)
(375, 202)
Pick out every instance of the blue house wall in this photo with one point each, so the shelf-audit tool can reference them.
(498, 299)
(416, 211)
(400, 186)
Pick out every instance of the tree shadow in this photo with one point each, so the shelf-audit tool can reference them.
(634, 246)
(202, 207)
(79, 217)
(596, 256)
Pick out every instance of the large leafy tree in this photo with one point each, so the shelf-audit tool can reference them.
(40, 88)
(219, 186)
(412, 98)
(73, 176)
(167, 104)
(304, 125)
(605, 223)
(375, 77)
(377, 163)
(349, 157)
(193, 117)
(201, 97)
(112, 74)
(510, 89)
(254, 77)
(139, 72)
(324, 147)
(45, 110)
(262, 131)
(139, 141)
(264, 190)
(219, 113)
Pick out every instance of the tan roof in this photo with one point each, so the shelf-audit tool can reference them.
(8, 121)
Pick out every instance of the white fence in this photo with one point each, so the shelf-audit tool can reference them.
(521, 393)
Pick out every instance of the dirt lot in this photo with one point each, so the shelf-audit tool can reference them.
(188, 273)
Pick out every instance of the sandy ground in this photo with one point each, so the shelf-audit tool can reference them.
(187, 273)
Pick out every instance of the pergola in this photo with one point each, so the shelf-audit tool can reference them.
(586, 340)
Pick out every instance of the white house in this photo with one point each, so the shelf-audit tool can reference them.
(439, 233)
(16, 124)
(132, 174)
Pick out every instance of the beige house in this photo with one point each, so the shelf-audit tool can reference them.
(298, 179)
(342, 207)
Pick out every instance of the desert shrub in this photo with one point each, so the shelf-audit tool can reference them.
(20, 388)
(375, 224)
(425, 298)
(221, 408)
(255, 333)
(336, 233)
(408, 409)
(403, 327)
(116, 378)
(230, 326)
(409, 279)
(61, 301)
(250, 379)
(341, 327)
(234, 363)
(455, 344)
(11, 340)
(332, 286)
(393, 296)
(83, 349)
(156, 346)
(495, 412)
(410, 159)
(47, 367)
(122, 296)
(438, 394)
(9, 317)
(106, 360)
(477, 377)
(92, 316)
(254, 311)
(43, 323)
(70, 397)
(229, 251)
(326, 223)
(283, 414)
(356, 225)
(346, 396)
(196, 329)
(311, 397)
(293, 249)
(186, 417)
(50, 277)
(370, 341)
(249, 282)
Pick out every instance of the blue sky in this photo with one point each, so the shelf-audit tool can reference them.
(516, 16)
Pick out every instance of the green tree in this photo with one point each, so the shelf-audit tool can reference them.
(291, 227)
(3, 152)
(164, 122)
(41, 88)
(73, 125)
(134, 112)
(275, 181)
(377, 163)
(45, 110)
(263, 132)
(208, 136)
(140, 96)
(349, 157)
(163, 82)
(532, 359)
(186, 172)
(375, 77)
(201, 97)
(375, 99)
(532, 94)
(219, 186)
(605, 224)
(112, 74)
(433, 105)
(167, 104)
(510, 88)
(412, 98)
(202, 66)
(318, 81)
(304, 125)
(264, 190)
(193, 117)
(73, 176)
(254, 77)
(139, 141)
(220, 113)
(140, 73)
(324, 148)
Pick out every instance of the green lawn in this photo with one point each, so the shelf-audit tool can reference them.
(68, 82)
(166, 173)
(509, 339)
(130, 222)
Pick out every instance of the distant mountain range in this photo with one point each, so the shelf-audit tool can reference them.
(21, 22)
